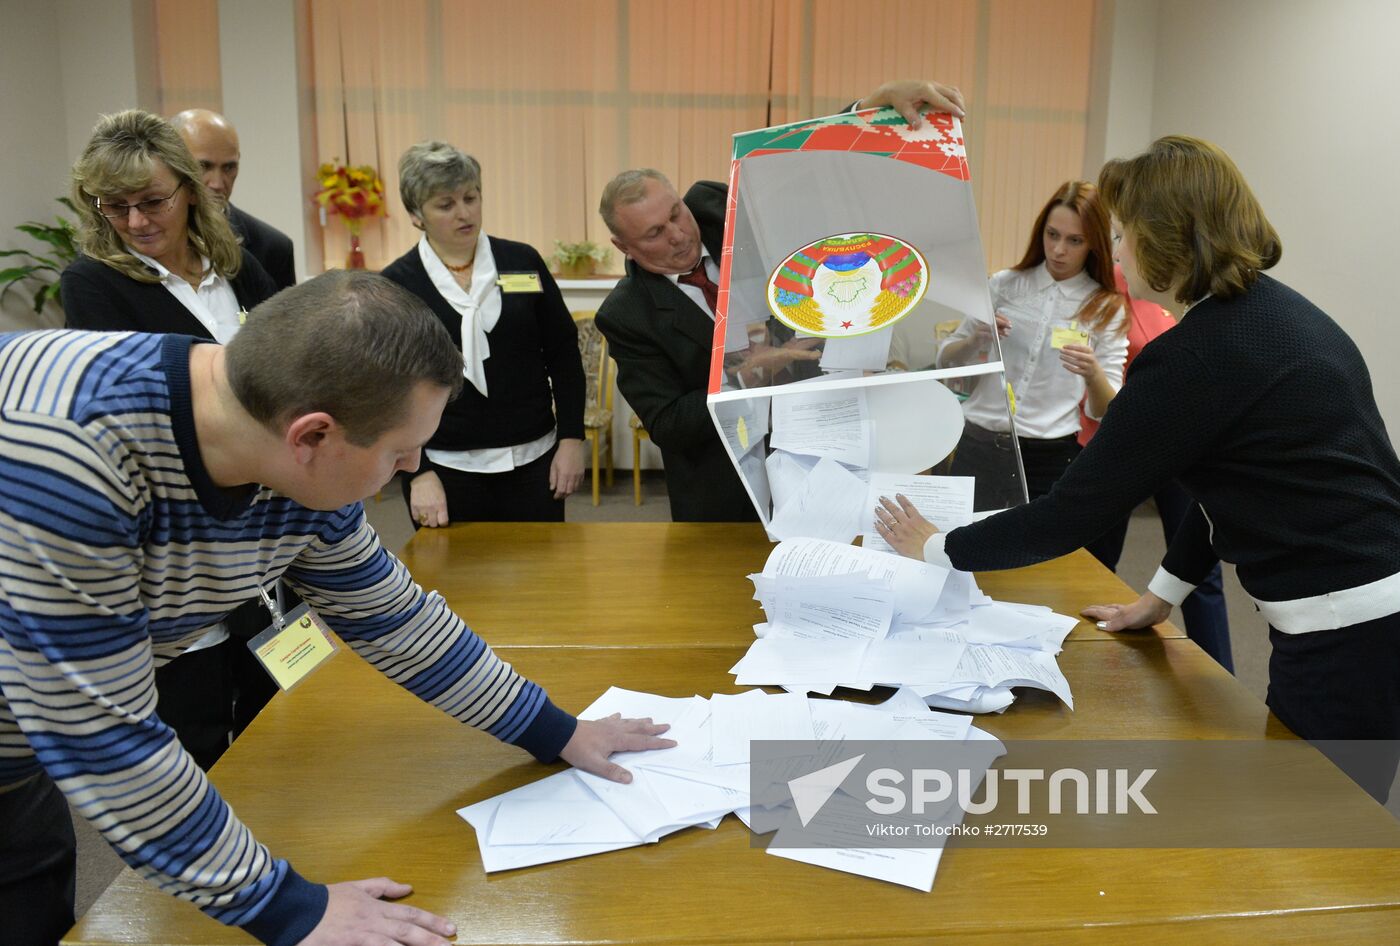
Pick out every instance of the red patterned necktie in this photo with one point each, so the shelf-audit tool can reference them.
(701, 280)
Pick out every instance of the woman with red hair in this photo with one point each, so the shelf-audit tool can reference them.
(1061, 324)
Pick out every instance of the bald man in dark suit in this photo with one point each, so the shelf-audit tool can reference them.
(213, 141)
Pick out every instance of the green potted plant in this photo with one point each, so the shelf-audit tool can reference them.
(578, 260)
(45, 265)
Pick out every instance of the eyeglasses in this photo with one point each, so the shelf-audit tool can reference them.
(150, 207)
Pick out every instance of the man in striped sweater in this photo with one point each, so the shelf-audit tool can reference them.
(148, 485)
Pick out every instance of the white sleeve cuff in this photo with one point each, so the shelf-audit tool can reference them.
(1170, 588)
(933, 550)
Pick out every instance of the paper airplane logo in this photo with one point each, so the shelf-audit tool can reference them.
(813, 790)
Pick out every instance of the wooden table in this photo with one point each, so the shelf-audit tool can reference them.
(375, 792)
(663, 584)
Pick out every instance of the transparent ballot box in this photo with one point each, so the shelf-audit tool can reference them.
(853, 324)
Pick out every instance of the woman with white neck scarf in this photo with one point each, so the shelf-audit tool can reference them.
(510, 448)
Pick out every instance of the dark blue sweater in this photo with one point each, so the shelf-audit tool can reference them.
(1262, 407)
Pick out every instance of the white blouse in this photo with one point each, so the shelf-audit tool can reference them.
(479, 304)
(1047, 394)
(212, 302)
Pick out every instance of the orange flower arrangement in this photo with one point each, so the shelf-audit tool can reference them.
(353, 192)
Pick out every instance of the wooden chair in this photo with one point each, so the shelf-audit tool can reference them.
(598, 406)
(639, 433)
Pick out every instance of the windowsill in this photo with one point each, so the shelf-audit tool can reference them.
(590, 282)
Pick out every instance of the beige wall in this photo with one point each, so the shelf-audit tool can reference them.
(1120, 105)
(263, 96)
(1304, 95)
(97, 58)
(34, 162)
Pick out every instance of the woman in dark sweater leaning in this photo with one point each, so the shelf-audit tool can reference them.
(1262, 407)
(511, 447)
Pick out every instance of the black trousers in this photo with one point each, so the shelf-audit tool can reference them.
(210, 696)
(1341, 689)
(253, 686)
(519, 495)
(195, 698)
(38, 864)
(988, 456)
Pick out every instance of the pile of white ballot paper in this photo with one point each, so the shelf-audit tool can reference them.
(703, 778)
(839, 615)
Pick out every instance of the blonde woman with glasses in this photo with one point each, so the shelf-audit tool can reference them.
(157, 252)
(158, 256)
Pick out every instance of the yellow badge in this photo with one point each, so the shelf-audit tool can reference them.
(519, 282)
(743, 431)
(1073, 335)
(1010, 397)
(291, 652)
(242, 316)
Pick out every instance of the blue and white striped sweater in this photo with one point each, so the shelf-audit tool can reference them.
(117, 551)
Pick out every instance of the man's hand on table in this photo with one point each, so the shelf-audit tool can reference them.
(596, 739)
(358, 912)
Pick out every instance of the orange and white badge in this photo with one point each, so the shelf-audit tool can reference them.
(292, 649)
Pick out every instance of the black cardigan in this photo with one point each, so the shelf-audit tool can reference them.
(1262, 407)
(534, 368)
(98, 298)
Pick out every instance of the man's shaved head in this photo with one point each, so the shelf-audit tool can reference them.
(213, 141)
